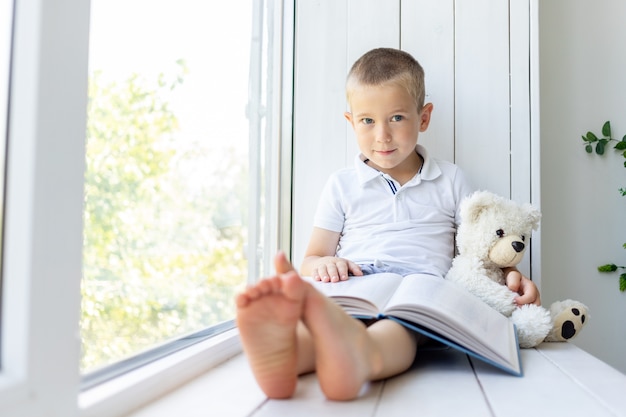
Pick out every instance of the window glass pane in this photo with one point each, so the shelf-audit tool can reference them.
(168, 189)
(6, 25)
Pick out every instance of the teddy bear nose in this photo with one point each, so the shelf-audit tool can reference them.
(517, 246)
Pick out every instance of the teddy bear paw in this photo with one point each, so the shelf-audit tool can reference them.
(568, 318)
(533, 323)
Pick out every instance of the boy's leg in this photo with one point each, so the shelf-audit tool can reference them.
(397, 346)
(348, 354)
(342, 350)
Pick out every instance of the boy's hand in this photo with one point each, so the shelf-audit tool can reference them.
(528, 293)
(333, 269)
(527, 290)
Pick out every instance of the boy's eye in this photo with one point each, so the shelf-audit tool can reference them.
(396, 118)
(367, 121)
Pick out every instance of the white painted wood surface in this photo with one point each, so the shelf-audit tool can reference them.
(477, 61)
(482, 115)
(428, 34)
(559, 379)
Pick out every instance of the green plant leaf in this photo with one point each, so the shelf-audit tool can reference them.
(591, 137)
(607, 268)
(600, 147)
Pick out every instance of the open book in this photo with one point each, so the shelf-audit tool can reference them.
(434, 307)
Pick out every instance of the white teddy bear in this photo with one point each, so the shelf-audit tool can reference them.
(493, 235)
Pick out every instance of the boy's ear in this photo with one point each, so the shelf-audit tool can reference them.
(427, 110)
(348, 116)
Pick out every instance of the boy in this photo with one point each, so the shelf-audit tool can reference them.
(396, 210)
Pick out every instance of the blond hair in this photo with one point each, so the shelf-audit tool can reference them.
(387, 65)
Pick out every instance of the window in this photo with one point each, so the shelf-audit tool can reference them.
(6, 27)
(53, 190)
(179, 141)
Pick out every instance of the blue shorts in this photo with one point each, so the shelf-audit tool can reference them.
(379, 267)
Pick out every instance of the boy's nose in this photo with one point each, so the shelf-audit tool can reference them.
(383, 134)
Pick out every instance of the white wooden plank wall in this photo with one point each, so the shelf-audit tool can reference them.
(428, 34)
(521, 140)
(469, 53)
(520, 53)
(319, 102)
(482, 92)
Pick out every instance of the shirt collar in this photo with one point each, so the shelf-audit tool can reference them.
(430, 170)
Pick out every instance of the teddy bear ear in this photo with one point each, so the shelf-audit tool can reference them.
(534, 215)
(475, 204)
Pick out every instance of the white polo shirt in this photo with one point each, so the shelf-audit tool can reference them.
(411, 226)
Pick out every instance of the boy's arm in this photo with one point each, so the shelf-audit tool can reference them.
(320, 261)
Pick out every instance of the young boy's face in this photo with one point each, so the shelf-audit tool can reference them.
(387, 123)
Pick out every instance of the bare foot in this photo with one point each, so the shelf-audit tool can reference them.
(344, 353)
(267, 316)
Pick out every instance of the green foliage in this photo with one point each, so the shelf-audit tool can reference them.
(159, 261)
(590, 140)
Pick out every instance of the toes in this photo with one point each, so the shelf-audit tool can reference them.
(262, 288)
(269, 285)
(282, 264)
(242, 300)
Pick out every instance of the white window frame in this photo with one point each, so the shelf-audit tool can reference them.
(40, 347)
(43, 234)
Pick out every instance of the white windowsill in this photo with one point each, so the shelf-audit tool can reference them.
(131, 391)
(13, 390)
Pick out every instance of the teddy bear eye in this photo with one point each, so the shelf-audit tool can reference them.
(500, 232)
(523, 238)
